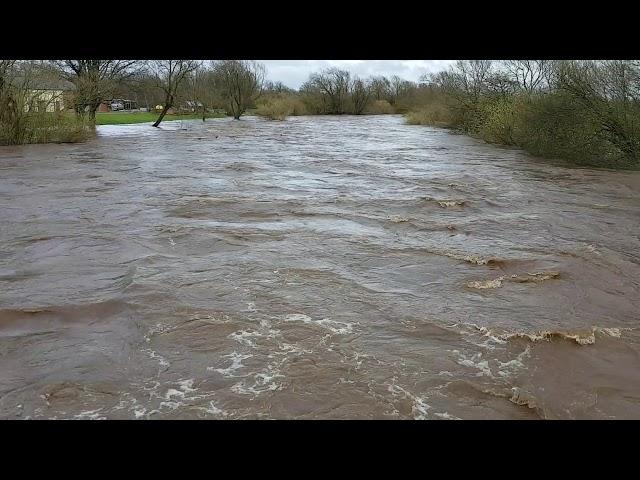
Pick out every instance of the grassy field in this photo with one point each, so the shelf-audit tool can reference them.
(121, 118)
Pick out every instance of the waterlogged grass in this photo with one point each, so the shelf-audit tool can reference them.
(123, 118)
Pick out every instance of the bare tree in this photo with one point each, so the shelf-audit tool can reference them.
(381, 88)
(399, 88)
(529, 75)
(276, 87)
(466, 81)
(200, 87)
(95, 80)
(608, 91)
(169, 75)
(501, 84)
(240, 83)
(360, 95)
(333, 86)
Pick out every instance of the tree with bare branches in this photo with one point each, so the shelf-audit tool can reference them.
(240, 83)
(169, 75)
(360, 95)
(333, 85)
(529, 75)
(95, 80)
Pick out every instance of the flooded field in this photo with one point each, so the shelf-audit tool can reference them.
(318, 268)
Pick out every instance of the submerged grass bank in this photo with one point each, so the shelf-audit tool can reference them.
(123, 118)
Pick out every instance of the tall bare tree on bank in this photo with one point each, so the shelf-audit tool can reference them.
(240, 83)
(200, 85)
(381, 88)
(360, 95)
(333, 84)
(530, 75)
(169, 75)
(95, 81)
(609, 91)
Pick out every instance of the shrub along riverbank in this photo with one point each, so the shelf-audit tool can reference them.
(44, 128)
(586, 113)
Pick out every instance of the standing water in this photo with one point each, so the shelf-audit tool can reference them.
(322, 267)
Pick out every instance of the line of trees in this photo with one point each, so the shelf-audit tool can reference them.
(337, 92)
(587, 112)
(232, 85)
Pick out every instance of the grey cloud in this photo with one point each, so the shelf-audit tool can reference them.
(294, 73)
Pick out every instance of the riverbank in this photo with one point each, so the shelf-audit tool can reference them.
(548, 127)
(125, 118)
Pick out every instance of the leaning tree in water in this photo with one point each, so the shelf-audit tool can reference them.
(169, 75)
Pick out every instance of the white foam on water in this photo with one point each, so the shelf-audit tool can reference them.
(163, 362)
(297, 317)
(213, 410)
(419, 409)
(247, 337)
(343, 380)
(340, 328)
(172, 392)
(187, 385)
(507, 369)
(236, 364)
(244, 337)
(90, 415)
(158, 328)
(476, 362)
(446, 416)
(171, 405)
(288, 348)
(140, 413)
(262, 382)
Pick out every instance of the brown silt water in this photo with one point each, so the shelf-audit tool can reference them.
(317, 268)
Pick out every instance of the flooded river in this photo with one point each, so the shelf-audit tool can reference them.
(318, 268)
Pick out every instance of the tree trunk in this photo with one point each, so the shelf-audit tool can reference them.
(92, 112)
(167, 105)
(162, 114)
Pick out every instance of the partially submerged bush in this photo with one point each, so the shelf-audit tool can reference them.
(59, 128)
(275, 108)
(436, 115)
(298, 106)
(45, 128)
(280, 106)
(380, 107)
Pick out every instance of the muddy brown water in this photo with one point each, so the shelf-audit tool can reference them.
(322, 267)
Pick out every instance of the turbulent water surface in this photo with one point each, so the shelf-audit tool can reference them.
(323, 267)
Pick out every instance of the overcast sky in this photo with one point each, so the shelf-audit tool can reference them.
(294, 73)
